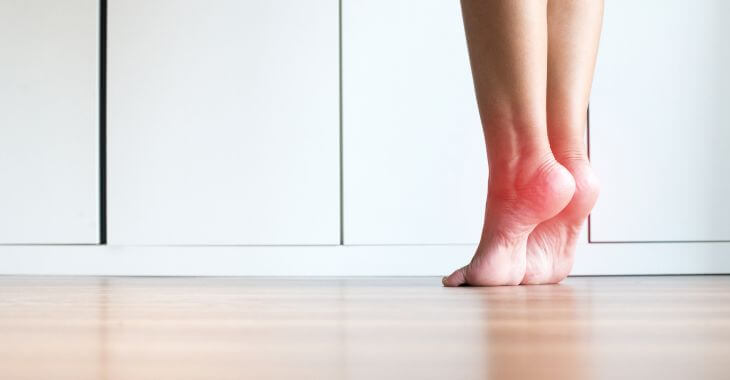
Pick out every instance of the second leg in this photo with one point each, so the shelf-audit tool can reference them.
(507, 41)
(574, 28)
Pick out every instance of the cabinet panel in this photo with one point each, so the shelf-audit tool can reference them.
(659, 126)
(223, 122)
(49, 122)
(414, 158)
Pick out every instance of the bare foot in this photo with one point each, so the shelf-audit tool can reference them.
(551, 246)
(530, 192)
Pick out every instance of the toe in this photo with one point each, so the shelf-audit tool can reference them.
(455, 279)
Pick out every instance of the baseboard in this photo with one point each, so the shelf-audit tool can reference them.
(341, 260)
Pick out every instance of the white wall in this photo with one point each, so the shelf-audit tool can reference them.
(659, 125)
(189, 170)
(49, 122)
(223, 124)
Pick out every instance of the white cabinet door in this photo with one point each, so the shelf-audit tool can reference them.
(49, 122)
(223, 122)
(659, 125)
(415, 167)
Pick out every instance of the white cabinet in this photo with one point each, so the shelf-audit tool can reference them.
(659, 125)
(414, 159)
(223, 123)
(223, 128)
(49, 122)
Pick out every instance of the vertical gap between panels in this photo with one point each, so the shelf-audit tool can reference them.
(102, 121)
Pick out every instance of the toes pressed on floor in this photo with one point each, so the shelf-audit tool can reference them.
(455, 279)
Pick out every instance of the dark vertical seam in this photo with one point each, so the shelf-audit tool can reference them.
(102, 121)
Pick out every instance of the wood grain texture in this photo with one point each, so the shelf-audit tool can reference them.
(361, 328)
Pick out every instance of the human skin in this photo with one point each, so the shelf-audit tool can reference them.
(532, 63)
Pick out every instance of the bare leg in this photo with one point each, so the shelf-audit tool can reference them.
(507, 42)
(574, 28)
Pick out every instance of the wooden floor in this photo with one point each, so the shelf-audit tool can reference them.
(374, 328)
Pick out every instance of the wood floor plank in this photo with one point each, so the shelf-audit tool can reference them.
(362, 328)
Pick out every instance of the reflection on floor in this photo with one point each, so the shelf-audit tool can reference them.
(362, 328)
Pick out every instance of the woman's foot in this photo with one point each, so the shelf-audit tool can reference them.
(551, 246)
(527, 193)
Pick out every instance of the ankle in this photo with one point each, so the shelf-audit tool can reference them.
(569, 154)
(515, 145)
(511, 170)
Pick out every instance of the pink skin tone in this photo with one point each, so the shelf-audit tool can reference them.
(532, 62)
